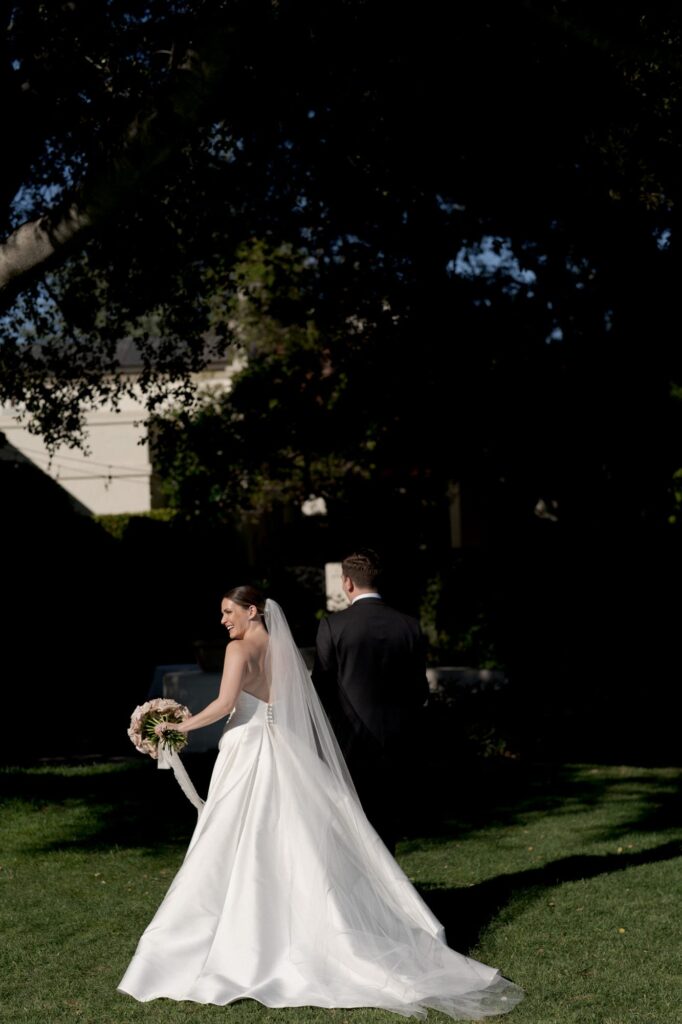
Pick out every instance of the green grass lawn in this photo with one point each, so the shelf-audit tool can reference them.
(567, 878)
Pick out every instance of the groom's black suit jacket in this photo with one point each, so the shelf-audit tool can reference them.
(370, 673)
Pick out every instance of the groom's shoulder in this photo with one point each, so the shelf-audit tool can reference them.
(338, 622)
(372, 609)
(409, 620)
(338, 619)
(334, 619)
(355, 613)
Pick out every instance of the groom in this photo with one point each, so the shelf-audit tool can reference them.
(370, 673)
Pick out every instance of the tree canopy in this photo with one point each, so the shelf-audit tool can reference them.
(466, 216)
(444, 236)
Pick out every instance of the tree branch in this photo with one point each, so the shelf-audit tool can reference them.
(32, 245)
(151, 138)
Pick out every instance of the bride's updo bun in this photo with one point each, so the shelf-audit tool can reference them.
(246, 596)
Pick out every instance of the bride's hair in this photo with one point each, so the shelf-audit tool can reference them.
(246, 596)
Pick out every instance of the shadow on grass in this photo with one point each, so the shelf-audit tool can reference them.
(500, 794)
(133, 804)
(465, 913)
(130, 802)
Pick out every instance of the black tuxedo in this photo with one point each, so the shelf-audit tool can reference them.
(370, 673)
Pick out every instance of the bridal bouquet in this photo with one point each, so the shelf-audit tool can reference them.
(144, 719)
(164, 749)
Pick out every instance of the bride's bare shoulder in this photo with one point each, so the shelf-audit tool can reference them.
(243, 651)
(236, 653)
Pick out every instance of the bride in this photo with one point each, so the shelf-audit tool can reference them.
(286, 894)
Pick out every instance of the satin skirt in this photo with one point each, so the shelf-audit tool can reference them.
(287, 896)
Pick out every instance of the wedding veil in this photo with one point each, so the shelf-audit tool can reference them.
(297, 710)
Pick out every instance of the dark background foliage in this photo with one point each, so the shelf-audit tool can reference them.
(447, 242)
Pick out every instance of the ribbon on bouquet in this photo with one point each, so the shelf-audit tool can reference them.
(171, 759)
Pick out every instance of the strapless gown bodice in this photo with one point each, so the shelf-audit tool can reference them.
(249, 708)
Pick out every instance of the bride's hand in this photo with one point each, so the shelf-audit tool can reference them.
(163, 727)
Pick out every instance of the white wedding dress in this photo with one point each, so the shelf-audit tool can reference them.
(287, 895)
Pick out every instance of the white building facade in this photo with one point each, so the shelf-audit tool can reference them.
(115, 475)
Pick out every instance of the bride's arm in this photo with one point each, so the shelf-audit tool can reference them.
(230, 686)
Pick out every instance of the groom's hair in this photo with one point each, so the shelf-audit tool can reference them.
(246, 596)
(363, 567)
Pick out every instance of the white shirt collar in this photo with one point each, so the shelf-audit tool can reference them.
(361, 597)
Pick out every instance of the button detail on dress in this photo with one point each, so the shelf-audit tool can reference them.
(269, 715)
